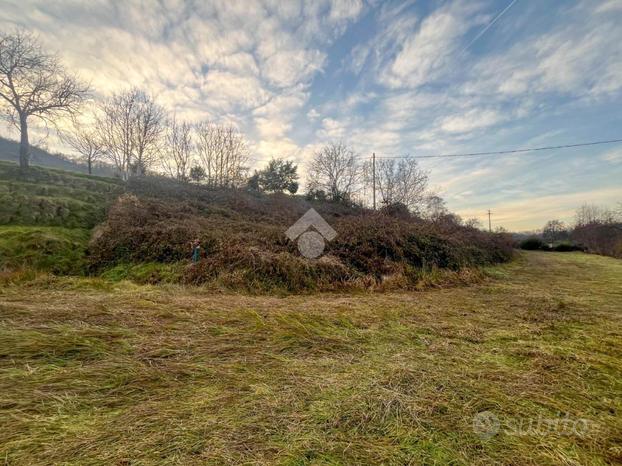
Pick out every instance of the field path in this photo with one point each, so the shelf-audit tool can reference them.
(94, 372)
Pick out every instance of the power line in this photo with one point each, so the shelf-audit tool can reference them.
(501, 152)
(478, 154)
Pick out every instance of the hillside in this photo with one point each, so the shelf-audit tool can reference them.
(46, 216)
(244, 246)
(143, 231)
(9, 152)
(53, 197)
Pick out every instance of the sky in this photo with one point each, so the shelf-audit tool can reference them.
(393, 78)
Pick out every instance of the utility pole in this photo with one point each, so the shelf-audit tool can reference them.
(489, 223)
(373, 169)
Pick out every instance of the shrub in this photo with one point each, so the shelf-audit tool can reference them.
(278, 176)
(605, 239)
(254, 253)
(397, 210)
(533, 244)
(567, 246)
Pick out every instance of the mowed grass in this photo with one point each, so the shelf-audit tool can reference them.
(95, 372)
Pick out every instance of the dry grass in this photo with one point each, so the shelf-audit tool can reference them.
(94, 372)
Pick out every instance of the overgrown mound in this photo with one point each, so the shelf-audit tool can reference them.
(241, 204)
(244, 244)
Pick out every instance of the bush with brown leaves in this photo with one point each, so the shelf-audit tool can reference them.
(246, 248)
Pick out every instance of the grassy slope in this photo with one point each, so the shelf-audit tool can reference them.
(46, 217)
(55, 249)
(101, 373)
(53, 197)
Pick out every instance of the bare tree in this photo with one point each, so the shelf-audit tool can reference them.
(223, 153)
(589, 214)
(131, 128)
(115, 128)
(85, 141)
(554, 230)
(150, 121)
(435, 207)
(34, 84)
(402, 182)
(335, 170)
(178, 150)
(474, 223)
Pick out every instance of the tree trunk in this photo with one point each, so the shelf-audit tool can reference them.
(89, 163)
(24, 146)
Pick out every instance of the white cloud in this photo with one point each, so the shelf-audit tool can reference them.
(332, 130)
(613, 156)
(289, 67)
(582, 56)
(609, 6)
(358, 57)
(342, 11)
(225, 91)
(432, 48)
(471, 120)
(247, 61)
(313, 114)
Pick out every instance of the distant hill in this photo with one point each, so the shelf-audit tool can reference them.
(9, 151)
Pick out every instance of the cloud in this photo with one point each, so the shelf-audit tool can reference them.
(227, 91)
(358, 57)
(287, 68)
(247, 61)
(581, 56)
(332, 130)
(292, 76)
(471, 120)
(430, 50)
(313, 114)
(342, 11)
(609, 6)
(613, 156)
(525, 214)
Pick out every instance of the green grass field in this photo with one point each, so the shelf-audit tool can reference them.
(101, 372)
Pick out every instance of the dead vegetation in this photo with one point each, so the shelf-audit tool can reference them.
(244, 245)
